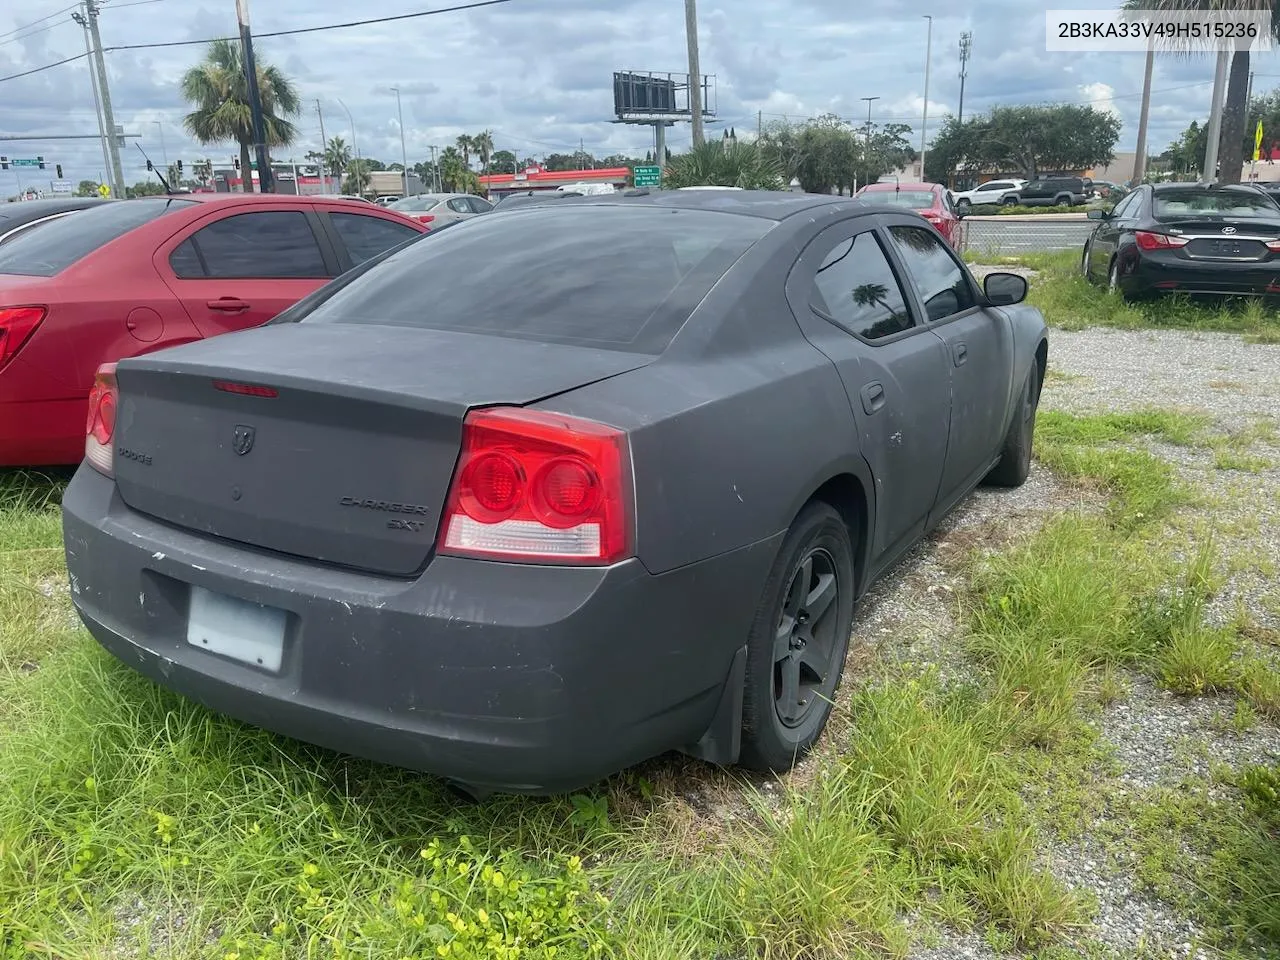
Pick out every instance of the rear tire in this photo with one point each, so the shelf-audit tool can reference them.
(1015, 456)
(798, 641)
(1113, 280)
(1063, 201)
(1084, 262)
(1010, 201)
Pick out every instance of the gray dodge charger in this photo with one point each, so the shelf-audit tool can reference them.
(531, 499)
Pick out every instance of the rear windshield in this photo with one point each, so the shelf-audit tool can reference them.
(1214, 203)
(914, 199)
(57, 245)
(414, 204)
(603, 276)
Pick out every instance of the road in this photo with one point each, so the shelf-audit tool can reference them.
(1010, 236)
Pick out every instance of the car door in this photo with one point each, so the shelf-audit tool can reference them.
(238, 268)
(1106, 236)
(979, 351)
(359, 236)
(479, 205)
(851, 305)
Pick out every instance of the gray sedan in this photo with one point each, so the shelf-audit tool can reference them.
(540, 496)
(439, 209)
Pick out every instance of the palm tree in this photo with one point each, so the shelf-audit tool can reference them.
(219, 91)
(358, 178)
(724, 164)
(1235, 109)
(465, 145)
(453, 168)
(337, 155)
(482, 143)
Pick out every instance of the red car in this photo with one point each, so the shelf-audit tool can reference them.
(135, 276)
(931, 200)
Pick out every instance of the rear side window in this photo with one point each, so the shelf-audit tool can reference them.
(367, 236)
(62, 242)
(277, 244)
(937, 277)
(606, 276)
(855, 287)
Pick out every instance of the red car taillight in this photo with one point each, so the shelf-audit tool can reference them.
(424, 217)
(1158, 241)
(101, 425)
(539, 487)
(17, 324)
(1273, 246)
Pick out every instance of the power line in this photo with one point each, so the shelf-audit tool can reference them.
(474, 5)
(47, 66)
(34, 23)
(34, 33)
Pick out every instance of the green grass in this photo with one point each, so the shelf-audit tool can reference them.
(133, 822)
(1071, 302)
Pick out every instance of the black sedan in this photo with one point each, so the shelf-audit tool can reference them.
(1187, 238)
(17, 218)
(614, 494)
(528, 198)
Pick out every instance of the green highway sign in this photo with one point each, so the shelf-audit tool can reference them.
(648, 176)
(25, 162)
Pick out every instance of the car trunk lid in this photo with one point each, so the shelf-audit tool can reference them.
(1222, 238)
(335, 442)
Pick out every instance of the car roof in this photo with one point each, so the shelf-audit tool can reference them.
(264, 198)
(768, 204)
(902, 185)
(28, 210)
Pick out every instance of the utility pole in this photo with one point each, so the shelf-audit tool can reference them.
(265, 179)
(870, 101)
(80, 18)
(924, 126)
(164, 153)
(966, 48)
(404, 156)
(324, 154)
(759, 125)
(436, 183)
(695, 71)
(108, 118)
(1140, 156)
(1215, 117)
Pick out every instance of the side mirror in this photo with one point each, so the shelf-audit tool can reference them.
(1098, 215)
(1004, 289)
(961, 212)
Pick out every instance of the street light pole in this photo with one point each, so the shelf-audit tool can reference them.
(82, 19)
(966, 48)
(924, 126)
(404, 156)
(324, 154)
(163, 152)
(355, 147)
(870, 101)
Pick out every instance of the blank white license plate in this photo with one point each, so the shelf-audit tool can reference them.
(248, 632)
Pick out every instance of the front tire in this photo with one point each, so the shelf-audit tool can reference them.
(1084, 262)
(798, 642)
(1113, 280)
(1015, 456)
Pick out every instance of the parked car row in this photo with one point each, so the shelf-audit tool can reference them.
(932, 201)
(1040, 192)
(399, 518)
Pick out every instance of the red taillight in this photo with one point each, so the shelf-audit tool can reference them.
(246, 389)
(1273, 246)
(424, 217)
(1158, 241)
(17, 324)
(539, 487)
(101, 425)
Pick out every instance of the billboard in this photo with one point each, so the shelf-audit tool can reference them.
(646, 93)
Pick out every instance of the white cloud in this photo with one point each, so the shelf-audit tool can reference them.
(1100, 96)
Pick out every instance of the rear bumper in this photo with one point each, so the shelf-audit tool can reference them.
(506, 677)
(42, 433)
(1168, 272)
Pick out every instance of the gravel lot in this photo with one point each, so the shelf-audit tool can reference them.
(1157, 738)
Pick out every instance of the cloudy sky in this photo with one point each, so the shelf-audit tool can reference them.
(538, 72)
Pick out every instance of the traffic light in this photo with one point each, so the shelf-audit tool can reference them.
(179, 168)
(4, 163)
(149, 166)
(235, 160)
(40, 160)
(58, 170)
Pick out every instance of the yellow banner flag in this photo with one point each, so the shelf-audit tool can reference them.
(1257, 142)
